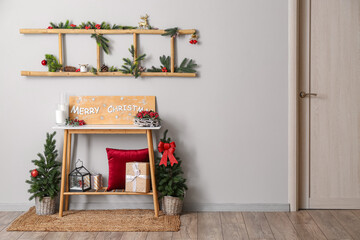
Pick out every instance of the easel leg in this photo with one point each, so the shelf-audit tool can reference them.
(152, 171)
(68, 161)
(63, 174)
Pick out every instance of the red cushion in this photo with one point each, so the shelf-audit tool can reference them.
(117, 162)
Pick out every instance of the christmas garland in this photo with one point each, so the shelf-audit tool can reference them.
(87, 25)
(100, 39)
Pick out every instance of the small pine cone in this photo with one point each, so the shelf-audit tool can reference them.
(69, 69)
(142, 69)
(104, 68)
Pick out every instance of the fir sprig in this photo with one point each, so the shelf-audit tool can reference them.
(186, 66)
(132, 66)
(61, 25)
(93, 70)
(52, 62)
(165, 62)
(113, 69)
(46, 183)
(171, 32)
(102, 42)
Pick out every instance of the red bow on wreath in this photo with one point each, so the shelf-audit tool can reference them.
(168, 149)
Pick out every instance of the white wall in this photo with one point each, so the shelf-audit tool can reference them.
(229, 124)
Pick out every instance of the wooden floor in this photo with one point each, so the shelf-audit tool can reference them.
(310, 224)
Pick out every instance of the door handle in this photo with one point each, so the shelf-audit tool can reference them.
(304, 94)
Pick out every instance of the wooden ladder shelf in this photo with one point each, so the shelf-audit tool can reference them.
(134, 32)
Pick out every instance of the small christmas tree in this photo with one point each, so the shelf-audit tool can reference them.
(169, 179)
(45, 178)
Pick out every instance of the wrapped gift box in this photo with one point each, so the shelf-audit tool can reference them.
(137, 177)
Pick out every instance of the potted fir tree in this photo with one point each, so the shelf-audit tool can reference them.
(171, 184)
(45, 179)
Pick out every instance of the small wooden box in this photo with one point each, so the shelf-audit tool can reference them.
(137, 177)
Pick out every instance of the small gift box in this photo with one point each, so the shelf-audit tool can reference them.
(137, 177)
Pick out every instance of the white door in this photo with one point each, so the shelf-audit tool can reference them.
(334, 114)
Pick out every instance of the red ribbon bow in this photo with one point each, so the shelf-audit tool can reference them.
(168, 149)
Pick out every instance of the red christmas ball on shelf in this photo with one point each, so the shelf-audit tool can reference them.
(34, 173)
(44, 62)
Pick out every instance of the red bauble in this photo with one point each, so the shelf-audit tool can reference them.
(34, 173)
(44, 62)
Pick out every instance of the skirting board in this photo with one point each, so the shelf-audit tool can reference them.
(200, 207)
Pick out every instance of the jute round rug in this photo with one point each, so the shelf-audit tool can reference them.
(124, 220)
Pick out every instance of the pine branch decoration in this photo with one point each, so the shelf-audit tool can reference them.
(52, 62)
(171, 32)
(187, 66)
(102, 42)
(113, 69)
(132, 66)
(61, 25)
(154, 69)
(93, 70)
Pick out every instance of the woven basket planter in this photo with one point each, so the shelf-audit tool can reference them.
(45, 207)
(172, 205)
(147, 122)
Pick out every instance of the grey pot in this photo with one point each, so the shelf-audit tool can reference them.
(45, 207)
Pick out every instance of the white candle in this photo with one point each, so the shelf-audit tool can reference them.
(64, 107)
(60, 117)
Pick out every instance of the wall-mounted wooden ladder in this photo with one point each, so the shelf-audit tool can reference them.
(135, 32)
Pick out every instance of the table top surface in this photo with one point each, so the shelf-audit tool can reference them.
(118, 126)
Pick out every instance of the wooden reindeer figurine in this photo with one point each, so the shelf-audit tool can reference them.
(145, 23)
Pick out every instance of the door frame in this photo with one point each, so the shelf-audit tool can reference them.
(298, 115)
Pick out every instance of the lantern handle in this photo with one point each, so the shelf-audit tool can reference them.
(82, 163)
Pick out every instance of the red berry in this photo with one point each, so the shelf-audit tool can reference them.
(78, 70)
(191, 41)
(44, 62)
(195, 41)
(34, 173)
(73, 25)
(87, 27)
(50, 27)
